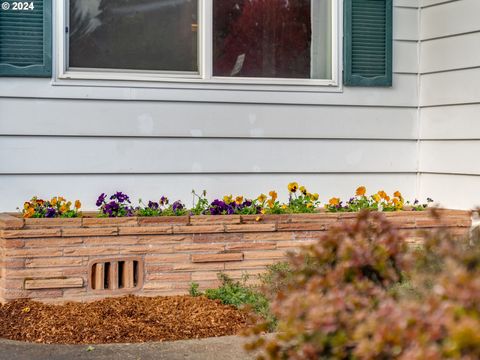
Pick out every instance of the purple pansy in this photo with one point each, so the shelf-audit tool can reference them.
(219, 207)
(153, 205)
(50, 213)
(177, 206)
(101, 199)
(121, 197)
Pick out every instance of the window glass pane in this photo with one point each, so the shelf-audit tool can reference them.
(134, 34)
(272, 38)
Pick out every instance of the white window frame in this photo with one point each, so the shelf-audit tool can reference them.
(181, 80)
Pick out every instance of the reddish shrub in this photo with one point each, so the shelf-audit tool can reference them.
(362, 293)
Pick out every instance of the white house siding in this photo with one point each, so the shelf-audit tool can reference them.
(80, 140)
(450, 102)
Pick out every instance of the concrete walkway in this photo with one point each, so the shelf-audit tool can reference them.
(223, 348)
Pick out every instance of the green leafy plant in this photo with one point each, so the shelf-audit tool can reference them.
(239, 294)
(300, 200)
(276, 278)
(194, 289)
(161, 208)
(200, 203)
(272, 205)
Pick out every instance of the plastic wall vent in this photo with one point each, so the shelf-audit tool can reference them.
(114, 275)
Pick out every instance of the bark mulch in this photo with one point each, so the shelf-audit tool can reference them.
(120, 320)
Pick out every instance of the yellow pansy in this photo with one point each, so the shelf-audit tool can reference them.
(54, 201)
(382, 194)
(273, 194)
(293, 187)
(361, 191)
(239, 200)
(334, 201)
(39, 202)
(284, 207)
(271, 203)
(78, 204)
(376, 197)
(397, 194)
(27, 205)
(261, 198)
(262, 211)
(228, 199)
(29, 212)
(315, 196)
(303, 190)
(398, 203)
(309, 205)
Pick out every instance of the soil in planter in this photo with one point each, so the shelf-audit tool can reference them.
(120, 320)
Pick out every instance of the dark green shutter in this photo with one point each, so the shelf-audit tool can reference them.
(26, 40)
(367, 43)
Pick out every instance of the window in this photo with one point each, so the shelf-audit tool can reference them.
(213, 41)
(134, 35)
(272, 38)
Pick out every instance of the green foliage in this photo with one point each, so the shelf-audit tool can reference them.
(302, 202)
(276, 278)
(145, 210)
(362, 293)
(200, 203)
(251, 209)
(193, 290)
(240, 295)
(160, 208)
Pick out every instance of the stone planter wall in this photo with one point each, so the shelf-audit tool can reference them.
(57, 260)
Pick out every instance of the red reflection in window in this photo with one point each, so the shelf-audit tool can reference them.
(262, 38)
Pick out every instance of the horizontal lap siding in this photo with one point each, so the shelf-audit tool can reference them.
(447, 156)
(450, 18)
(450, 102)
(450, 122)
(80, 140)
(45, 155)
(197, 120)
(450, 53)
(460, 191)
(456, 87)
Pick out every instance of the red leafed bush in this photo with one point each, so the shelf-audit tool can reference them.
(362, 293)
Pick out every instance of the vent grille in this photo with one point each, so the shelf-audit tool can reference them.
(116, 274)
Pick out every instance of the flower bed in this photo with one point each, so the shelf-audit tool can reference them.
(300, 201)
(88, 258)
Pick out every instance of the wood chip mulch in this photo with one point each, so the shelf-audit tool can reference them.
(120, 320)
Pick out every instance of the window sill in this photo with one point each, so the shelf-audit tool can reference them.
(139, 80)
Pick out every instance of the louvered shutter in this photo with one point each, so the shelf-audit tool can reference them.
(368, 43)
(26, 40)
